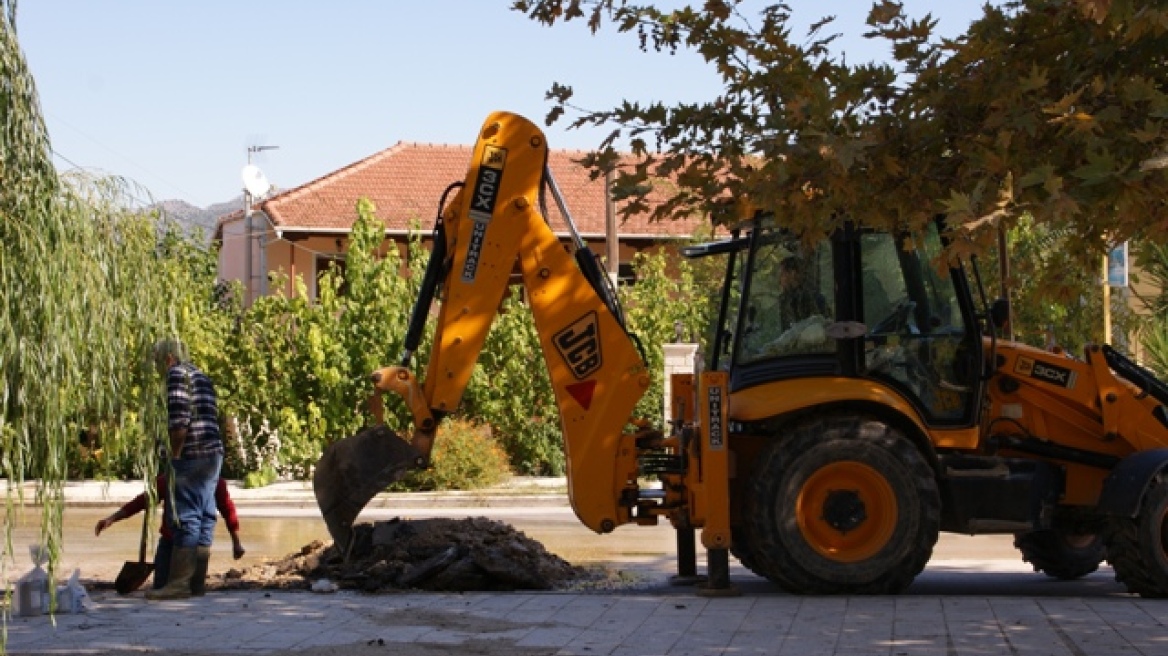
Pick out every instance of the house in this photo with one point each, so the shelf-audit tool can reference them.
(304, 231)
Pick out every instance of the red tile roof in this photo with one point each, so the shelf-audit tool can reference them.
(406, 181)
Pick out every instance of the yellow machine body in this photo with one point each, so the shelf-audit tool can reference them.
(840, 426)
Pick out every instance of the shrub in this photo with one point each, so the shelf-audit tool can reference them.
(465, 457)
(261, 478)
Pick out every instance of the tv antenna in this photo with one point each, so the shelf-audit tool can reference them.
(257, 149)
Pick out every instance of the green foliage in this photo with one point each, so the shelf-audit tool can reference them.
(1045, 107)
(89, 285)
(511, 391)
(1151, 260)
(465, 457)
(670, 300)
(1154, 339)
(295, 373)
(1151, 267)
(510, 388)
(1055, 300)
(261, 478)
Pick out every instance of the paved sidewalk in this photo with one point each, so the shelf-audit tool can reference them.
(674, 622)
(956, 608)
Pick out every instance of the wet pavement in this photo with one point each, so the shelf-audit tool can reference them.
(975, 597)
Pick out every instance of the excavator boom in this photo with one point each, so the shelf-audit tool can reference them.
(492, 225)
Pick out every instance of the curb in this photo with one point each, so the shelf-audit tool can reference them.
(531, 493)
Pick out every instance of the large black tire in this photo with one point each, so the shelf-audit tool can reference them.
(1138, 548)
(1061, 554)
(842, 505)
(742, 548)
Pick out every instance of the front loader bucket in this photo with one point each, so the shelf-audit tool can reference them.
(354, 470)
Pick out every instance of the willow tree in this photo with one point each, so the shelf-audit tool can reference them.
(89, 283)
(1049, 108)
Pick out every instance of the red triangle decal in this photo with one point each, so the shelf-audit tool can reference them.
(582, 392)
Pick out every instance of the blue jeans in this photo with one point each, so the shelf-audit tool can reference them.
(194, 500)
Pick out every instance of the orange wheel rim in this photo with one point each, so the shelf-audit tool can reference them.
(846, 511)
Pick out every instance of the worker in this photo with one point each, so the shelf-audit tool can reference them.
(799, 300)
(195, 455)
(165, 547)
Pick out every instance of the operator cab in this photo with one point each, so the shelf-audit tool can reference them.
(863, 304)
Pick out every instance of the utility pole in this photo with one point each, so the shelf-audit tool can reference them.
(1004, 278)
(612, 236)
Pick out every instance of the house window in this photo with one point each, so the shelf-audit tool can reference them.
(625, 274)
(331, 263)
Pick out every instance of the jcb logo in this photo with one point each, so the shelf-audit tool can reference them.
(579, 346)
(486, 189)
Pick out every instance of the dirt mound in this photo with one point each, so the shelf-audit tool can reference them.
(439, 554)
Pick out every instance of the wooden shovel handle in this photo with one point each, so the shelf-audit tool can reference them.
(145, 533)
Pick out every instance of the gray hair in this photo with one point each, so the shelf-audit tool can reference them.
(170, 346)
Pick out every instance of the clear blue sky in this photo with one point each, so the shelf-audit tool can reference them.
(172, 94)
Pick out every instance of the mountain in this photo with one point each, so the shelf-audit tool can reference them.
(192, 216)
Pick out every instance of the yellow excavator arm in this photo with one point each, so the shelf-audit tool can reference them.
(491, 226)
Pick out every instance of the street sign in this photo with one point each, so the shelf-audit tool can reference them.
(1117, 266)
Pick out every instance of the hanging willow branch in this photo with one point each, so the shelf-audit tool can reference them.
(89, 284)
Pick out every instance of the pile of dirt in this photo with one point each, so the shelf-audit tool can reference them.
(439, 554)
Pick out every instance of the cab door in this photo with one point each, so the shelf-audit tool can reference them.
(921, 337)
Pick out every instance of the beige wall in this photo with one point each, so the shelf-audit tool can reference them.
(231, 252)
(233, 255)
(299, 259)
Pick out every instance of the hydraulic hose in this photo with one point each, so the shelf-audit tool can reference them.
(435, 271)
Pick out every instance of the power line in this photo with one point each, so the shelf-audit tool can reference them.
(110, 150)
(143, 203)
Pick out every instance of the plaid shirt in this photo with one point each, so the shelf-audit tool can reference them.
(191, 404)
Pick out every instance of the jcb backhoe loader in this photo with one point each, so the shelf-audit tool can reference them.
(856, 400)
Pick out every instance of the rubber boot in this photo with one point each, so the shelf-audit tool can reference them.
(199, 578)
(182, 569)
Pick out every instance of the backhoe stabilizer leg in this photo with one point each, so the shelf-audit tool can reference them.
(718, 584)
(687, 559)
(354, 470)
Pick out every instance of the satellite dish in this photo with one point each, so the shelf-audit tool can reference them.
(255, 181)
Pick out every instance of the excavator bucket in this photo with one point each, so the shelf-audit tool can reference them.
(353, 470)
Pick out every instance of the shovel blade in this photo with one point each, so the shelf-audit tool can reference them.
(354, 470)
(134, 573)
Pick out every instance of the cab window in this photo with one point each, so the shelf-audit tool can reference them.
(788, 304)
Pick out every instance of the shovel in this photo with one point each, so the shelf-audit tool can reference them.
(134, 574)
